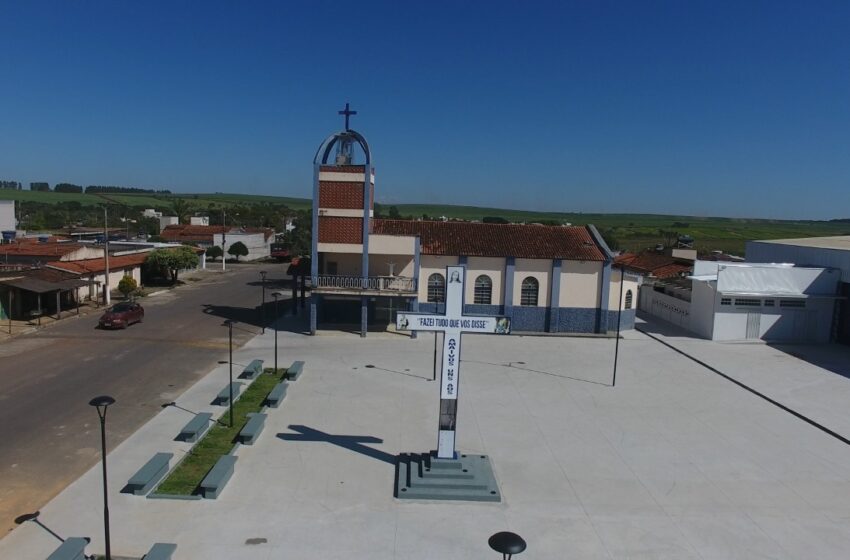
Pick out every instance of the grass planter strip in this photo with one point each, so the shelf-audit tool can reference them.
(219, 439)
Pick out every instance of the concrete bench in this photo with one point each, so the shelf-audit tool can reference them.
(251, 431)
(160, 551)
(218, 476)
(195, 428)
(151, 473)
(74, 548)
(294, 371)
(252, 370)
(223, 397)
(277, 395)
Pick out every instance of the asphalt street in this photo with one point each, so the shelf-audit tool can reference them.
(49, 435)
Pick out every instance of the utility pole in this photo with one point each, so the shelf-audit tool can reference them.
(619, 315)
(223, 239)
(106, 298)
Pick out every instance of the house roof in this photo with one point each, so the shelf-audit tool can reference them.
(496, 240)
(31, 249)
(653, 264)
(44, 280)
(95, 266)
(186, 233)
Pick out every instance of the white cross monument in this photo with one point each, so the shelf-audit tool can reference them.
(453, 323)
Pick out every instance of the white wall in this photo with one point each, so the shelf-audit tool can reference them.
(167, 221)
(347, 264)
(812, 323)
(391, 245)
(632, 282)
(494, 267)
(541, 269)
(429, 264)
(7, 215)
(580, 282)
(702, 309)
(379, 265)
(258, 246)
(667, 308)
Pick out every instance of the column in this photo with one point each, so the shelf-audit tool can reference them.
(555, 298)
(602, 317)
(510, 265)
(364, 315)
(313, 313)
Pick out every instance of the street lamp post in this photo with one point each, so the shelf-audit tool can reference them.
(229, 323)
(106, 296)
(223, 239)
(263, 304)
(101, 404)
(276, 296)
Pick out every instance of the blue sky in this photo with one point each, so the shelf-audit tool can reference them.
(706, 108)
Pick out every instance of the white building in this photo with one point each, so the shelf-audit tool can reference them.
(199, 221)
(7, 216)
(259, 243)
(741, 301)
(831, 252)
(165, 221)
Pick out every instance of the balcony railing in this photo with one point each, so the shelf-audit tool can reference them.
(377, 283)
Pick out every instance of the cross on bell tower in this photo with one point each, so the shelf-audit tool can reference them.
(347, 112)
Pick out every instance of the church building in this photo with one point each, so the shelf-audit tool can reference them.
(364, 269)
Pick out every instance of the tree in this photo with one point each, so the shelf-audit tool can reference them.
(182, 209)
(43, 187)
(214, 252)
(172, 260)
(127, 286)
(238, 249)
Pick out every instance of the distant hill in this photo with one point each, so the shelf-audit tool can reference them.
(631, 231)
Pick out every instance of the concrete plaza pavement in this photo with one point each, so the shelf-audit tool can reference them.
(674, 462)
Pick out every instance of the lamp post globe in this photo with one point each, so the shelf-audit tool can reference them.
(507, 544)
(27, 517)
(101, 404)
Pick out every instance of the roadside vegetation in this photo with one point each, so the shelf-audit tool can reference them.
(219, 439)
(49, 210)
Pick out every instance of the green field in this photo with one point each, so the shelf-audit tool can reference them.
(633, 231)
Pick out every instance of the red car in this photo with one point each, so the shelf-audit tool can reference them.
(121, 315)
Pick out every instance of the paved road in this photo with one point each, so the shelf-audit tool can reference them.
(49, 435)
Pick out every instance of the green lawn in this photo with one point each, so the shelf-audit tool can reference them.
(219, 439)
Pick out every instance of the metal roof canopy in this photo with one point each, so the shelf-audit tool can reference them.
(42, 287)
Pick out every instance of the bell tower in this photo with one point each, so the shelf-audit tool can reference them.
(343, 203)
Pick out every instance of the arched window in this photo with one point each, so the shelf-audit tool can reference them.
(483, 290)
(436, 288)
(530, 287)
(628, 299)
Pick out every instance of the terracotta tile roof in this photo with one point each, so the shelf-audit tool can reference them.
(95, 266)
(653, 264)
(185, 233)
(496, 240)
(39, 249)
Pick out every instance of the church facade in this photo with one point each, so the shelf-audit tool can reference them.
(556, 279)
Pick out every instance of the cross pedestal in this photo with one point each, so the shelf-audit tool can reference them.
(444, 474)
